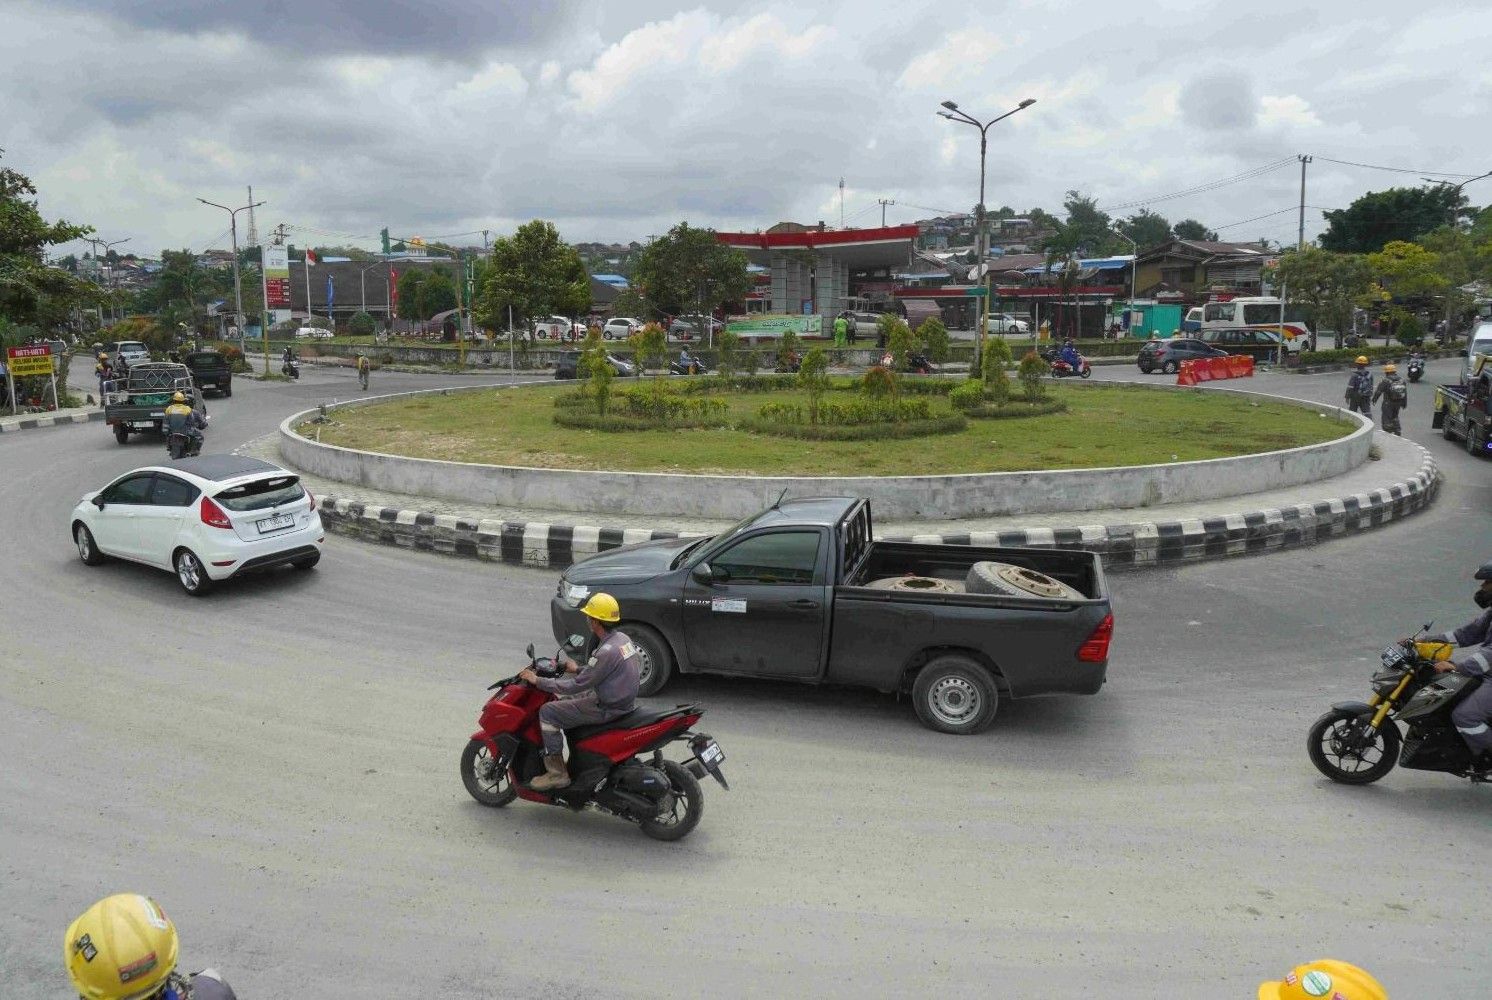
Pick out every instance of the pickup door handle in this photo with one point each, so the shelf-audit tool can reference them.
(804, 605)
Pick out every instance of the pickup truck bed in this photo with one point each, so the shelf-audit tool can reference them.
(1462, 413)
(802, 592)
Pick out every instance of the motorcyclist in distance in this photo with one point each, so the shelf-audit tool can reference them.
(1069, 354)
(181, 418)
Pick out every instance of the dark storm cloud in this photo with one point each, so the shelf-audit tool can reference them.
(391, 27)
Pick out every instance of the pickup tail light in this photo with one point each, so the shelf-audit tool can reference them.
(213, 516)
(1095, 649)
(311, 497)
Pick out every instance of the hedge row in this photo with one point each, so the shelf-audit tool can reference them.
(619, 422)
(950, 423)
(858, 411)
(1349, 354)
(671, 408)
(1015, 408)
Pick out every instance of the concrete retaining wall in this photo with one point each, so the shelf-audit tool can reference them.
(894, 497)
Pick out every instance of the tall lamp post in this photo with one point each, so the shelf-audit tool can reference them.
(237, 287)
(1452, 211)
(1134, 265)
(107, 245)
(981, 242)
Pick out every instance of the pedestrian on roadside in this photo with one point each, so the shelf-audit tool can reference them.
(854, 331)
(841, 331)
(105, 372)
(1360, 388)
(1395, 393)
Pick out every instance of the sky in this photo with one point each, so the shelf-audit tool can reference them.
(617, 120)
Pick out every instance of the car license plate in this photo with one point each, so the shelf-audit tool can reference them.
(710, 753)
(275, 523)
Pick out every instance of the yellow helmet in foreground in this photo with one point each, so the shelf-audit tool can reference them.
(123, 947)
(1362, 359)
(603, 608)
(1325, 977)
(179, 397)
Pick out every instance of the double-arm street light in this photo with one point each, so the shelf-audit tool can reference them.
(981, 242)
(1453, 211)
(237, 287)
(107, 245)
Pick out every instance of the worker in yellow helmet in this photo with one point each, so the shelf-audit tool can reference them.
(604, 689)
(124, 947)
(1360, 388)
(1324, 978)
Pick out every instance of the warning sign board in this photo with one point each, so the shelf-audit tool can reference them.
(24, 361)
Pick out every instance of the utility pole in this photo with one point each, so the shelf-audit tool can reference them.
(841, 203)
(1300, 243)
(279, 234)
(884, 203)
(233, 229)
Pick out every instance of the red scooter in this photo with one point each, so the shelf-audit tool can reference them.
(617, 767)
(1061, 369)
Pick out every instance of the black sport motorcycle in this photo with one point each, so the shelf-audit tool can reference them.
(692, 367)
(1416, 369)
(1356, 743)
(290, 368)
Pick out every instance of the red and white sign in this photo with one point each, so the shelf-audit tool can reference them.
(24, 361)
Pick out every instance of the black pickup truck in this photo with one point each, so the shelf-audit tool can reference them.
(210, 370)
(801, 592)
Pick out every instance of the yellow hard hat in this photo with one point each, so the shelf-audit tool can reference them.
(179, 397)
(1362, 359)
(102, 356)
(1324, 978)
(123, 947)
(603, 608)
(1390, 367)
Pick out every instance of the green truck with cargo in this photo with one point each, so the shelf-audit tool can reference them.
(137, 402)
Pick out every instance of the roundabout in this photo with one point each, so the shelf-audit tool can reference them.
(275, 764)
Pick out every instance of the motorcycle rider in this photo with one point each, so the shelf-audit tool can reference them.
(1474, 659)
(1395, 393)
(1070, 356)
(1360, 388)
(362, 368)
(685, 361)
(124, 947)
(1325, 977)
(286, 357)
(604, 689)
(182, 419)
(105, 372)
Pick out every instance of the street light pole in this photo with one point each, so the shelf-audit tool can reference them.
(1452, 211)
(107, 245)
(1134, 265)
(237, 285)
(981, 239)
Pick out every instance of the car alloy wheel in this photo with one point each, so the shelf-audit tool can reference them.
(191, 573)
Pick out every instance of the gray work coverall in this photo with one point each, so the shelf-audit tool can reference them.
(604, 689)
(1390, 404)
(1474, 659)
(1360, 392)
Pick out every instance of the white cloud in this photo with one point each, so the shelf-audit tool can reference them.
(1288, 110)
(962, 55)
(549, 72)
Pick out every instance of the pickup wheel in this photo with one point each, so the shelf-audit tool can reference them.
(1445, 431)
(657, 660)
(1473, 441)
(121, 434)
(228, 389)
(954, 694)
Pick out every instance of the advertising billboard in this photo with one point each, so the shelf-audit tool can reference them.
(276, 272)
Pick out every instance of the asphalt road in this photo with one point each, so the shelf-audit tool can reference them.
(277, 764)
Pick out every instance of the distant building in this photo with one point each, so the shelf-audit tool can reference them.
(1192, 270)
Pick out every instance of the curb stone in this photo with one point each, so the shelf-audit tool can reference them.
(1122, 546)
(52, 421)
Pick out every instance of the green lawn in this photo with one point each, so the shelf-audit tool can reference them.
(1105, 425)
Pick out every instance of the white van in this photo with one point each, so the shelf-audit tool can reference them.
(1479, 341)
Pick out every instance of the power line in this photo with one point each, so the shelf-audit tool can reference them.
(1249, 174)
(1266, 215)
(1395, 170)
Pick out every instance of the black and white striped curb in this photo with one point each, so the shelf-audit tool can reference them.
(1122, 546)
(1194, 540)
(52, 421)
(530, 543)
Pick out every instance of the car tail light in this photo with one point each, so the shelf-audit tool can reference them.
(213, 516)
(311, 497)
(1096, 648)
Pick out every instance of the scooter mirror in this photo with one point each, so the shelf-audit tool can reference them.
(575, 641)
(530, 652)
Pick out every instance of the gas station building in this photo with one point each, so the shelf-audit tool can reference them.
(812, 269)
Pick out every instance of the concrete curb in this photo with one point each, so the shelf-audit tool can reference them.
(40, 421)
(1127, 546)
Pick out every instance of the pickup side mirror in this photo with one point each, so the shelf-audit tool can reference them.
(707, 574)
(1464, 354)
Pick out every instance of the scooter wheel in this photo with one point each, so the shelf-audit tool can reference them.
(486, 780)
(1087, 373)
(688, 806)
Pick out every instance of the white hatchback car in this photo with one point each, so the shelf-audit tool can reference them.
(620, 328)
(206, 519)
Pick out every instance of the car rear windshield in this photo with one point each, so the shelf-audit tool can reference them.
(204, 358)
(261, 494)
(131, 345)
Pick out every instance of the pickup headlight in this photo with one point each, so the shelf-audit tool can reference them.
(573, 594)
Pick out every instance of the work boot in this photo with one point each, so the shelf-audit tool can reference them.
(554, 777)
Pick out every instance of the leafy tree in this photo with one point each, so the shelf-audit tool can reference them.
(361, 325)
(534, 273)
(900, 341)
(409, 292)
(790, 342)
(437, 293)
(725, 355)
(651, 345)
(1327, 284)
(813, 378)
(1087, 227)
(996, 382)
(1406, 273)
(1396, 215)
(1032, 373)
(689, 269)
(934, 336)
(30, 291)
(631, 303)
(1146, 228)
(1191, 229)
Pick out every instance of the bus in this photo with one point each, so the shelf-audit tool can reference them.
(1260, 312)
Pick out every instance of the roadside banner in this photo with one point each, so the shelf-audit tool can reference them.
(1215, 369)
(276, 272)
(769, 326)
(32, 361)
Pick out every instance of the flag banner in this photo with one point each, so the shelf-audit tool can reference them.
(311, 257)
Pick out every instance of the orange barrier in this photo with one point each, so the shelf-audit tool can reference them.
(1213, 369)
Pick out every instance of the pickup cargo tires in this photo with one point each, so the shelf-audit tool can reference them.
(657, 660)
(955, 694)
(1016, 581)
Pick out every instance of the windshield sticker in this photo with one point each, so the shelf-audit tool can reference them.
(728, 606)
